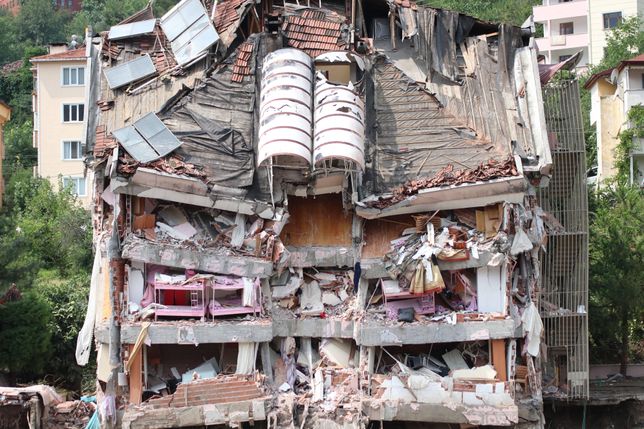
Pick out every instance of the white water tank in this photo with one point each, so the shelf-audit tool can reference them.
(285, 114)
(339, 124)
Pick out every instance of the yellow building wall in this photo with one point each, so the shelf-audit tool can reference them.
(52, 131)
(611, 119)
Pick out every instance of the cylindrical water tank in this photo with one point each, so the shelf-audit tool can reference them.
(285, 107)
(339, 124)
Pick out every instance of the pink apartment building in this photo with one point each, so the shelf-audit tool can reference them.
(570, 26)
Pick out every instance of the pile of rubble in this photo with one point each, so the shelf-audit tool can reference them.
(71, 414)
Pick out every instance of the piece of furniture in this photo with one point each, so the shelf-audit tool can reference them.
(195, 299)
(226, 304)
(396, 298)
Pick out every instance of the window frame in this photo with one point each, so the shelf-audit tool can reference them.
(606, 19)
(563, 25)
(79, 71)
(75, 184)
(70, 115)
(71, 143)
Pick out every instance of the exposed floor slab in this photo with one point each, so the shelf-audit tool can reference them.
(313, 327)
(205, 260)
(440, 413)
(380, 334)
(194, 332)
(304, 257)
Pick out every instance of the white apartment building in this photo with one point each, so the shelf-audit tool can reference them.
(570, 26)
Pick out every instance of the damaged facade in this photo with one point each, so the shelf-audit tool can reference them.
(316, 216)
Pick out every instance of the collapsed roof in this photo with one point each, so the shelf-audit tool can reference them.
(456, 94)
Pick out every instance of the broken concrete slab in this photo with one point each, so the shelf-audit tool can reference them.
(370, 333)
(202, 260)
(378, 410)
(305, 257)
(201, 332)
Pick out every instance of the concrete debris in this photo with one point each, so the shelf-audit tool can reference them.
(265, 269)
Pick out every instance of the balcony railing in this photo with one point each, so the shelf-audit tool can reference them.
(560, 11)
(564, 41)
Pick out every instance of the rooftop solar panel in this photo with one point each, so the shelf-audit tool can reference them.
(132, 29)
(189, 29)
(129, 71)
(147, 139)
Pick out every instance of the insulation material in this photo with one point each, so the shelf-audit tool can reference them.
(338, 352)
(84, 340)
(103, 367)
(246, 357)
(311, 299)
(532, 328)
(395, 390)
(454, 360)
(249, 298)
(491, 289)
(485, 372)
(208, 369)
(135, 284)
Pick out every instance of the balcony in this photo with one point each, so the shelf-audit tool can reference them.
(567, 41)
(560, 11)
(633, 97)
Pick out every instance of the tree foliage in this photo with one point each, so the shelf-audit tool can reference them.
(512, 12)
(616, 259)
(41, 229)
(67, 298)
(40, 23)
(25, 335)
(622, 43)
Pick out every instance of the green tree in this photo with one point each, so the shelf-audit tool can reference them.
(9, 51)
(19, 152)
(616, 257)
(40, 23)
(512, 12)
(25, 336)
(622, 43)
(42, 229)
(67, 298)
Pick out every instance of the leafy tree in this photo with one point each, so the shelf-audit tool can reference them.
(622, 43)
(19, 151)
(627, 141)
(42, 229)
(616, 259)
(40, 23)
(25, 335)
(9, 51)
(67, 298)
(513, 12)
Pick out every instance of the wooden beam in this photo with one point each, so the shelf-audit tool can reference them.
(136, 379)
(498, 356)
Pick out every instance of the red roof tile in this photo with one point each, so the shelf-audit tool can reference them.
(70, 55)
(226, 14)
(103, 142)
(241, 67)
(312, 33)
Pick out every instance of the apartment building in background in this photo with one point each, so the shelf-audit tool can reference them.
(580, 25)
(613, 93)
(14, 5)
(5, 115)
(59, 119)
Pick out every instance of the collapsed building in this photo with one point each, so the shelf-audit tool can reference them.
(318, 216)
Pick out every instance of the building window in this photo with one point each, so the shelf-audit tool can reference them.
(566, 28)
(612, 19)
(76, 184)
(564, 57)
(72, 150)
(73, 76)
(73, 112)
(642, 80)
